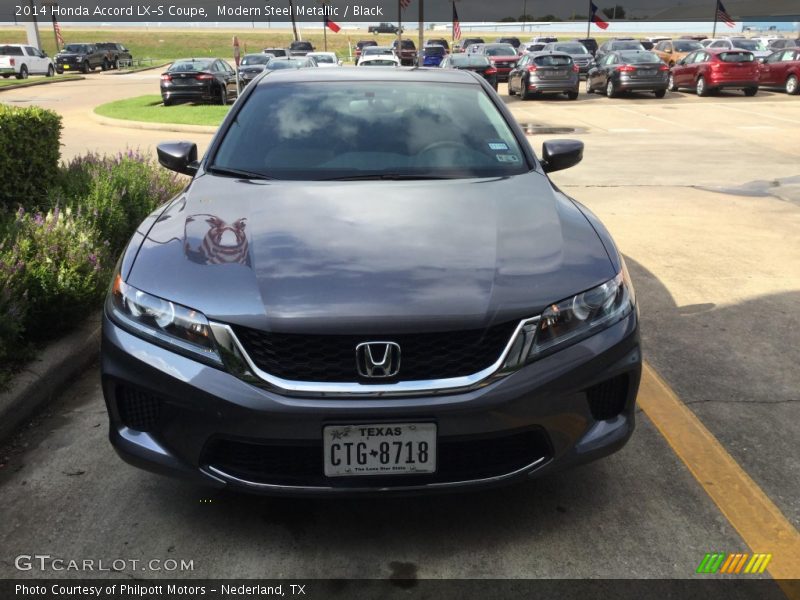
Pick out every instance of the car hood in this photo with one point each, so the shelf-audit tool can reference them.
(375, 257)
(69, 55)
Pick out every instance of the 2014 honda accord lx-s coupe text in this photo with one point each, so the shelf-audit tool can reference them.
(369, 286)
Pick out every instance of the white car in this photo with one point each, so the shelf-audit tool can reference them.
(20, 61)
(380, 60)
(758, 49)
(325, 59)
(372, 51)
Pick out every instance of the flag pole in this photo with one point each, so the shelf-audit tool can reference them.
(589, 22)
(421, 28)
(716, 14)
(400, 31)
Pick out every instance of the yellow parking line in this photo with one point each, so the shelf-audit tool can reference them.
(759, 522)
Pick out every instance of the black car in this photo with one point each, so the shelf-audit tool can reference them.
(629, 71)
(199, 80)
(514, 41)
(544, 73)
(252, 66)
(276, 52)
(384, 28)
(81, 57)
(477, 63)
(300, 48)
(589, 43)
(361, 293)
(116, 52)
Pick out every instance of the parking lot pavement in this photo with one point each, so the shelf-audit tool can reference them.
(637, 514)
(703, 197)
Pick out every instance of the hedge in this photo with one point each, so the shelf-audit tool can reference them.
(29, 153)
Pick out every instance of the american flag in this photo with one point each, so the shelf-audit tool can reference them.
(57, 29)
(723, 15)
(456, 24)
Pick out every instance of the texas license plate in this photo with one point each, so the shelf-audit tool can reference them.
(646, 73)
(379, 449)
(67, 67)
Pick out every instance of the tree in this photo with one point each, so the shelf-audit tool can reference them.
(508, 20)
(617, 12)
(526, 18)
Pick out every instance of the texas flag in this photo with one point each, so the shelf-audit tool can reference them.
(331, 25)
(597, 19)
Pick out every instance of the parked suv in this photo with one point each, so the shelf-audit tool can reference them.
(117, 53)
(300, 48)
(21, 61)
(407, 53)
(82, 57)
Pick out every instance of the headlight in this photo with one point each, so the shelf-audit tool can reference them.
(573, 319)
(172, 325)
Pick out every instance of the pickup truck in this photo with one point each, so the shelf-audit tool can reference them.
(82, 57)
(20, 61)
(407, 53)
(118, 55)
(383, 28)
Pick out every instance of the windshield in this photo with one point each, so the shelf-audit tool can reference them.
(377, 50)
(324, 58)
(501, 50)
(300, 46)
(627, 46)
(434, 50)
(313, 131)
(686, 46)
(460, 60)
(571, 48)
(749, 45)
(255, 59)
(277, 65)
(76, 48)
(550, 60)
(186, 66)
(636, 58)
(734, 57)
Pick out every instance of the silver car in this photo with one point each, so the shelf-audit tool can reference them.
(544, 73)
(580, 55)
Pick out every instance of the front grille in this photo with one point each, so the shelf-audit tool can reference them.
(607, 399)
(139, 409)
(301, 462)
(332, 358)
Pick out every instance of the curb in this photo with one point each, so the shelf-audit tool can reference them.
(45, 377)
(125, 124)
(142, 69)
(46, 81)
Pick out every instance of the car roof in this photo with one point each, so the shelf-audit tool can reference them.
(725, 50)
(415, 74)
(550, 53)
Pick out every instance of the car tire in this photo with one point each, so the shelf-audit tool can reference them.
(106, 65)
(115, 64)
(511, 91)
(23, 72)
(701, 88)
(589, 88)
(572, 95)
(792, 85)
(750, 92)
(524, 94)
(6, 76)
(611, 89)
(50, 71)
(660, 93)
(85, 67)
(671, 85)
(167, 101)
(223, 95)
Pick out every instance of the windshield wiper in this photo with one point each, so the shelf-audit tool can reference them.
(386, 177)
(228, 172)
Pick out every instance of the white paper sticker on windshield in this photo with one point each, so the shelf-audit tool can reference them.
(498, 146)
(508, 158)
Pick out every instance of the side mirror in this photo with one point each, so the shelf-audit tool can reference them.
(558, 155)
(180, 157)
(340, 62)
(681, 62)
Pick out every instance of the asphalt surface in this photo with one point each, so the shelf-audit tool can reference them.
(703, 197)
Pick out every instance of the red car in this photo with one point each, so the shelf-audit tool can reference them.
(504, 57)
(363, 44)
(782, 69)
(712, 69)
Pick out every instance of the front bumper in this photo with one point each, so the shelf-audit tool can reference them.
(201, 407)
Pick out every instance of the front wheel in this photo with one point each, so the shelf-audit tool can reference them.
(23, 72)
(50, 71)
(85, 67)
(106, 65)
(660, 93)
(671, 85)
(511, 91)
(115, 65)
(700, 87)
(167, 101)
(589, 89)
(792, 86)
(611, 89)
(751, 91)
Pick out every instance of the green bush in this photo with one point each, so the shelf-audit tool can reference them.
(29, 153)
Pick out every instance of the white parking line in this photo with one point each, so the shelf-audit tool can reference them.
(759, 114)
(756, 127)
(653, 117)
(629, 130)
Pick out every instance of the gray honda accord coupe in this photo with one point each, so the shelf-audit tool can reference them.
(370, 285)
